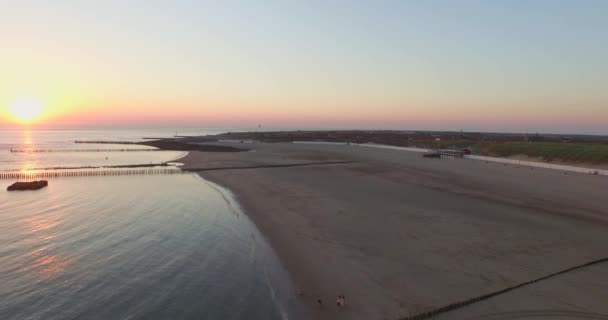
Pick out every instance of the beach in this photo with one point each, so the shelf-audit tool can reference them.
(400, 235)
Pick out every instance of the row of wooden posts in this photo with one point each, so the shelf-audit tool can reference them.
(105, 142)
(33, 175)
(79, 150)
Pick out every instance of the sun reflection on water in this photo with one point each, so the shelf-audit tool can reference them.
(49, 267)
(27, 138)
(46, 265)
(38, 225)
(28, 143)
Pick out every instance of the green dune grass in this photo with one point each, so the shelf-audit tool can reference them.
(549, 151)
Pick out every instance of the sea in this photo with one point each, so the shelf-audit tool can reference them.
(128, 247)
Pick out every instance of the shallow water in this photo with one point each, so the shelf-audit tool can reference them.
(58, 140)
(134, 247)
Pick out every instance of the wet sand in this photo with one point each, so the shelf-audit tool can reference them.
(399, 234)
(182, 145)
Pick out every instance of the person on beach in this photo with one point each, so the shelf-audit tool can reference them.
(341, 302)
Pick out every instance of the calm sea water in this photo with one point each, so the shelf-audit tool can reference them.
(64, 140)
(136, 247)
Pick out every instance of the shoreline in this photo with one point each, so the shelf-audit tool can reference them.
(384, 230)
(246, 207)
(278, 279)
(173, 144)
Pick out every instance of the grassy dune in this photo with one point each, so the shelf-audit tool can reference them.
(549, 151)
(500, 145)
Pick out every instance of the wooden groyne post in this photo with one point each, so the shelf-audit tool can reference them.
(14, 150)
(33, 175)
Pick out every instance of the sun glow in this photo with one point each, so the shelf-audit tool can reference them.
(26, 110)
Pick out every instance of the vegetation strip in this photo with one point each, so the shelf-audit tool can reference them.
(462, 304)
(573, 149)
(549, 151)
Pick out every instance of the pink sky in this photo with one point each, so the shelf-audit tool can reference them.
(382, 65)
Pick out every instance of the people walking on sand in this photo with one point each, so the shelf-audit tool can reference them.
(341, 302)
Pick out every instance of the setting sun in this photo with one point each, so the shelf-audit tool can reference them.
(26, 110)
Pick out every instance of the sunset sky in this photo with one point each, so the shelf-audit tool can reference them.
(471, 65)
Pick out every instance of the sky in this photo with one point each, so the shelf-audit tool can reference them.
(518, 66)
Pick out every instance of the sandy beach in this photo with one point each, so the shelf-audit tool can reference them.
(399, 235)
